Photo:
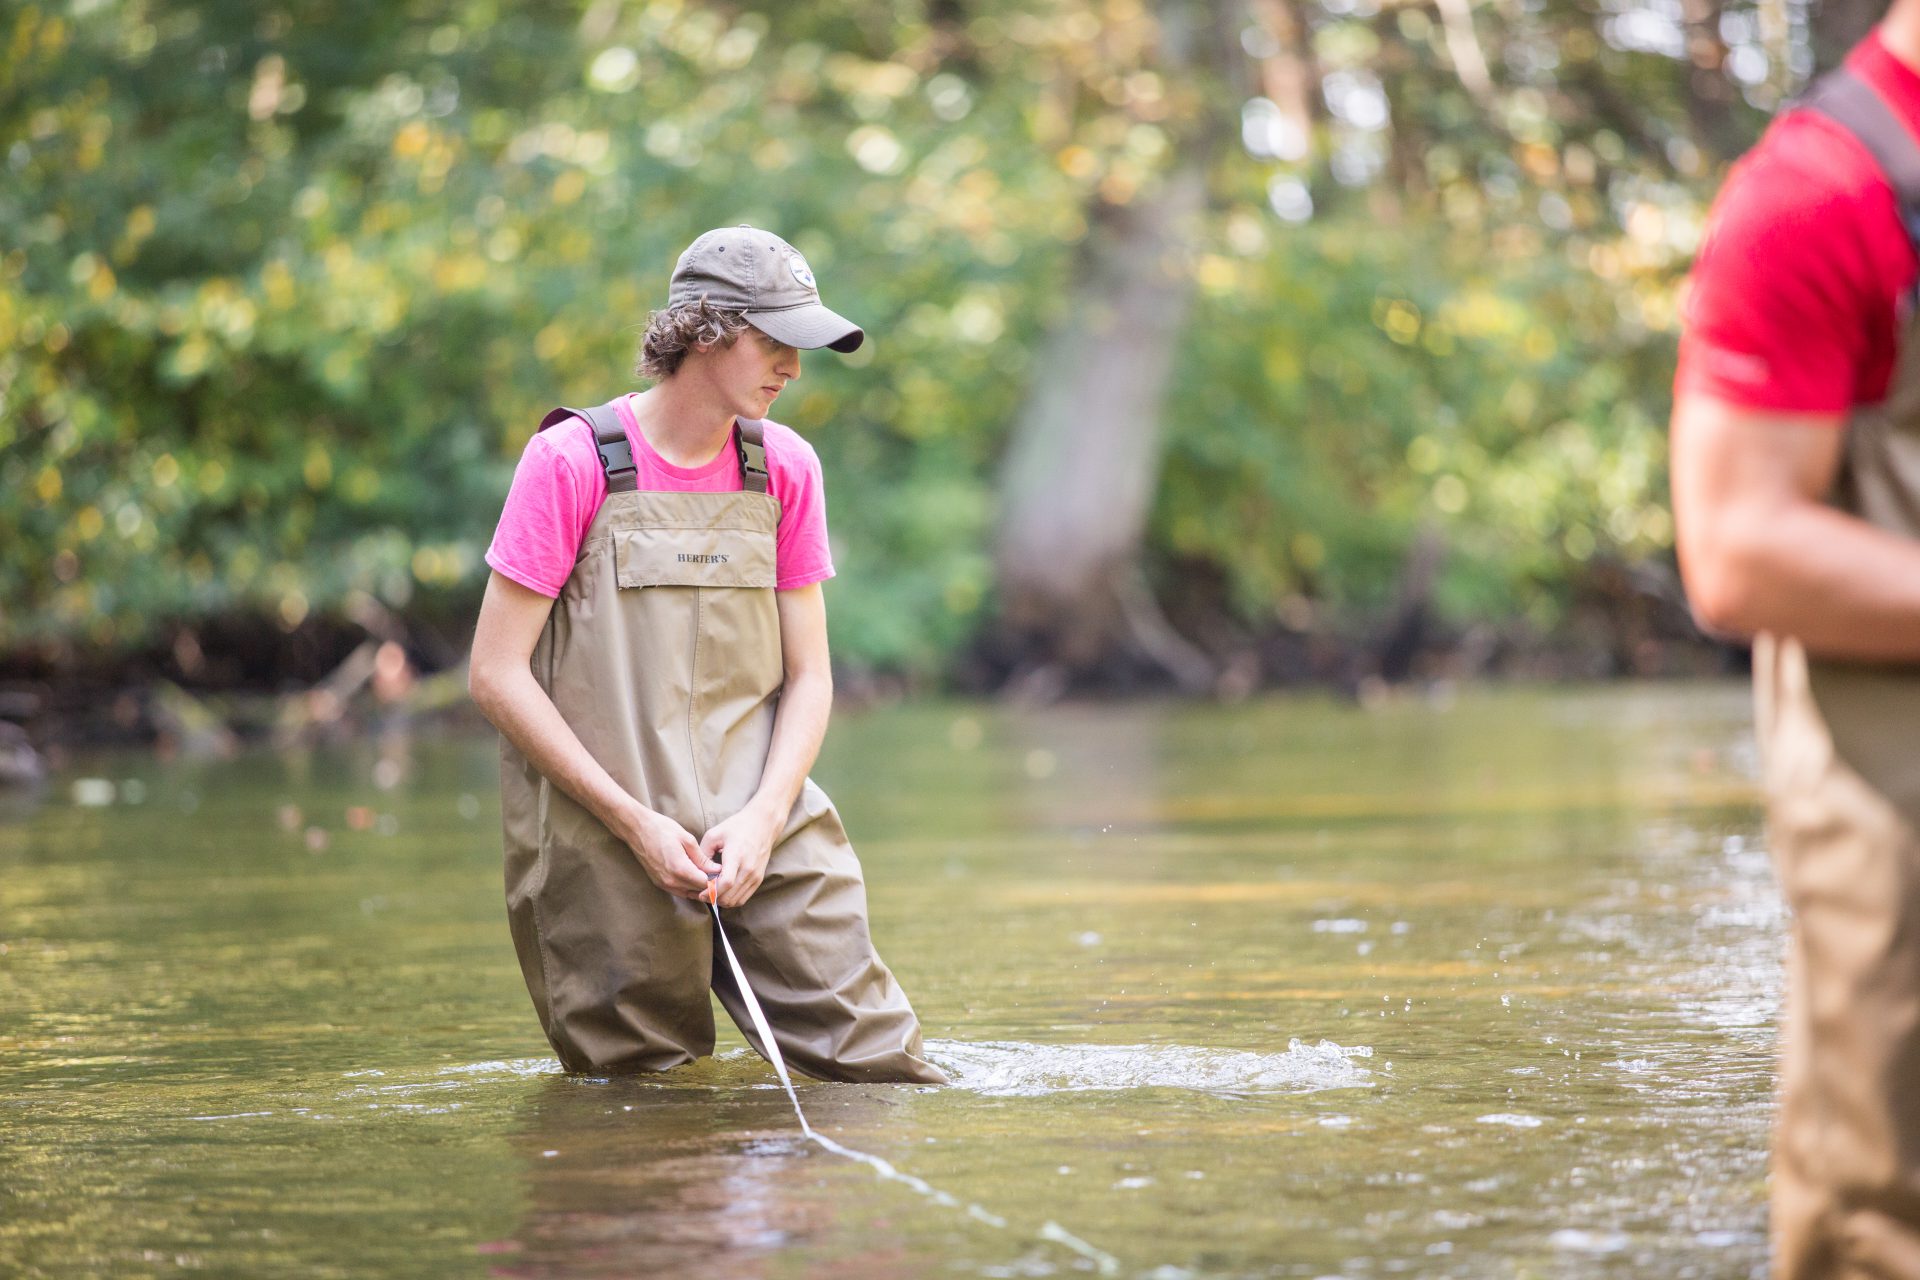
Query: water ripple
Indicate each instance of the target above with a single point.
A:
(1009, 1068)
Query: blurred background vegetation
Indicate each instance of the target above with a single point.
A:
(1216, 343)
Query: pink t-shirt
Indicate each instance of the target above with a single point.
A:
(559, 485)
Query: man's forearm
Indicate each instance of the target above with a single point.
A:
(799, 727)
(1761, 550)
(523, 713)
(1842, 587)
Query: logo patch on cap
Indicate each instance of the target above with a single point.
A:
(801, 271)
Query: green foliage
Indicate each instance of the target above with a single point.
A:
(1401, 384)
(1473, 332)
(285, 288)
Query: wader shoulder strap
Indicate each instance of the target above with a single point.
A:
(609, 439)
(1851, 102)
(753, 456)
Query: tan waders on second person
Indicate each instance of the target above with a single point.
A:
(1841, 755)
(663, 655)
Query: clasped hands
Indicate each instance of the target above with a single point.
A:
(732, 856)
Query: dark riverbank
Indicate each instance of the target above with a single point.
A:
(208, 690)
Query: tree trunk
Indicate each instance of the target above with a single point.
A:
(1078, 480)
(1077, 484)
(1712, 100)
(1290, 75)
(1838, 25)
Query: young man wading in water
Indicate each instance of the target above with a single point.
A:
(653, 650)
(1796, 487)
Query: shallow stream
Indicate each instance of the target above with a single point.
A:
(1476, 987)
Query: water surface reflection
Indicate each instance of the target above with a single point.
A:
(1292, 989)
(624, 1178)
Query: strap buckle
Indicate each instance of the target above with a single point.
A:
(753, 464)
(616, 456)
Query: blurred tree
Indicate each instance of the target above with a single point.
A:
(1456, 274)
(1220, 308)
(1083, 464)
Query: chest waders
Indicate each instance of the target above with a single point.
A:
(1840, 750)
(663, 655)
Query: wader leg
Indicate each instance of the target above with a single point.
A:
(625, 967)
(1846, 1178)
(802, 940)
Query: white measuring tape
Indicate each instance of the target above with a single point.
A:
(1052, 1231)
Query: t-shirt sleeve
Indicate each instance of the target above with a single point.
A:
(1792, 304)
(544, 520)
(801, 554)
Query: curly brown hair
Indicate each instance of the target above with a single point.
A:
(674, 331)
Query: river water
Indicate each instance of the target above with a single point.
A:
(1480, 986)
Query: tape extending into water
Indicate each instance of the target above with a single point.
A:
(1050, 1231)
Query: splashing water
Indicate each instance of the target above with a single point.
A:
(1008, 1068)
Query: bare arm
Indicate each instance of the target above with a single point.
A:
(745, 840)
(800, 723)
(502, 684)
(1761, 551)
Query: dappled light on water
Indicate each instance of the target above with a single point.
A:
(1287, 989)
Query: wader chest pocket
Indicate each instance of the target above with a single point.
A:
(693, 558)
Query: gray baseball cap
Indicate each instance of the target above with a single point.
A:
(745, 269)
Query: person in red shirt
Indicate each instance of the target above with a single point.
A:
(1798, 295)
(1796, 492)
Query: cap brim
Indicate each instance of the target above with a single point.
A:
(809, 327)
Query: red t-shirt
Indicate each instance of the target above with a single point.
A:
(1799, 295)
